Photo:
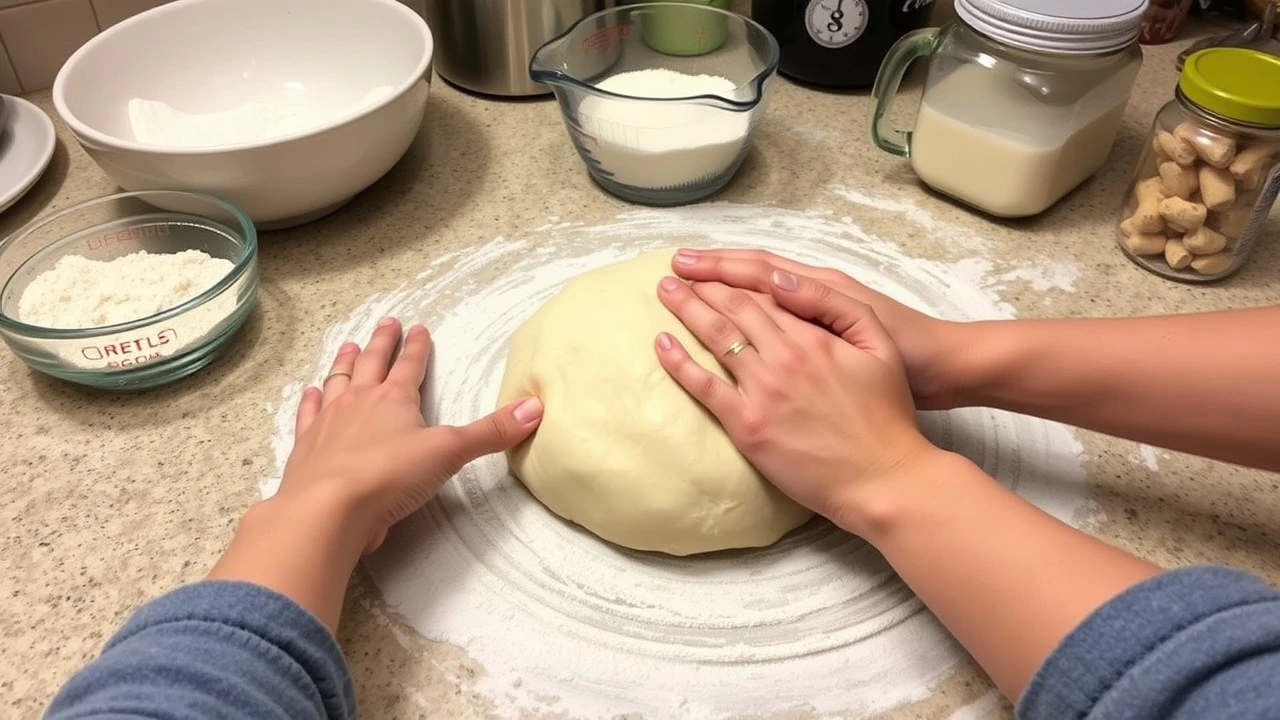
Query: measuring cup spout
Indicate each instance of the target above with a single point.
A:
(550, 62)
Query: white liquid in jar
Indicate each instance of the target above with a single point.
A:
(986, 141)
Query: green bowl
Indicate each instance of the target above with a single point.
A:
(687, 31)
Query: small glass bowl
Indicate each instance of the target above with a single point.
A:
(149, 351)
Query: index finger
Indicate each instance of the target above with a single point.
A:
(745, 269)
(410, 368)
(786, 321)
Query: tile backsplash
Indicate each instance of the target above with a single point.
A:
(37, 36)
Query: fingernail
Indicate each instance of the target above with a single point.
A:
(665, 342)
(784, 280)
(684, 257)
(528, 410)
(386, 321)
(669, 283)
(417, 330)
(348, 347)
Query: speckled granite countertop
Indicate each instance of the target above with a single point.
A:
(109, 500)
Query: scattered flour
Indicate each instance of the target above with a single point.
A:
(1147, 456)
(818, 623)
(1041, 278)
(986, 707)
(83, 293)
(649, 144)
(157, 123)
(916, 216)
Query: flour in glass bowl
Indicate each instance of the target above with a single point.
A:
(648, 144)
(82, 293)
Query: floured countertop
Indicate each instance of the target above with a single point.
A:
(109, 500)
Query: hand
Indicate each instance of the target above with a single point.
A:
(922, 340)
(362, 435)
(362, 460)
(828, 418)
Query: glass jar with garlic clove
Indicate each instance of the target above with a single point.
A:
(1207, 177)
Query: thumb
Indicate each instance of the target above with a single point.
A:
(501, 430)
(853, 320)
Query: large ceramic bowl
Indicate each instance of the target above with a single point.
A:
(330, 92)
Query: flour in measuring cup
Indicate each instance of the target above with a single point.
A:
(157, 123)
(648, 144)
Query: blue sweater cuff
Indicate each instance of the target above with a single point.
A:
(253, 608)
(1146, 646)
(214, 649)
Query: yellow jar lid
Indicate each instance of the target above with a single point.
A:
(1236, 83)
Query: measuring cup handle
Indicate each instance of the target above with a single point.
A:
(916, 44)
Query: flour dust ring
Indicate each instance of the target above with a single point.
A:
(818, 620)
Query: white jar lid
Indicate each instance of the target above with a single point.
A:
(1055, 26)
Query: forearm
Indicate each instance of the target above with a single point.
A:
(304, 548)
(1207, 384)
(1008, 580)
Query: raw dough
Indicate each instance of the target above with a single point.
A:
(622, 450)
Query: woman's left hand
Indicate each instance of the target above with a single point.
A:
(362, 434)
(363, 460)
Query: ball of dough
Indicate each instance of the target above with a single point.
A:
(622, 449)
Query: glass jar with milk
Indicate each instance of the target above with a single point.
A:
(1021, 102)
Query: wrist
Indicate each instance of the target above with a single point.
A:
(918, 486)
(322, 513)
(303, 544)
(980, 354)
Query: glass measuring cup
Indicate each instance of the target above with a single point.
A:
(660, 148)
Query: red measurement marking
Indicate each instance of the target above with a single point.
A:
(125, 235)
(137, 360)
(604, 39)
(130, 352)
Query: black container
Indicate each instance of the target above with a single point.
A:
(838, 43)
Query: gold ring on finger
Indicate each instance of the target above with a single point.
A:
(737, 347)
(332, 375)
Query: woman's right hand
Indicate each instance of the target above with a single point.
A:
(821, 408)
(825, 415)
(925, 342)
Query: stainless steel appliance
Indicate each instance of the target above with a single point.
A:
(485, 45)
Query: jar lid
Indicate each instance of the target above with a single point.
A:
(1236, 83)
(1053, 26)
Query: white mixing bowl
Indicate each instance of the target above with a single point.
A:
(214, 56)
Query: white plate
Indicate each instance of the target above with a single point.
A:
(26, 146)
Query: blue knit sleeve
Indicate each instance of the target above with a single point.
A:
(1191, 644)
(214, 650)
